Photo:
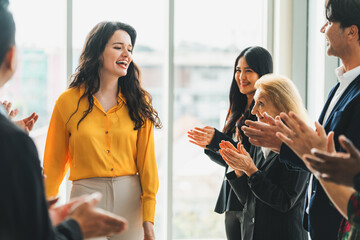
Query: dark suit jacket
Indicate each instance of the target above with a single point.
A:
(273, 199)
(23, 209)
(323, 220)
(227, 200)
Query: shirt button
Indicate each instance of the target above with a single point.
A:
(104, 114)
(108, 151)
(106, 132)
(111, 169)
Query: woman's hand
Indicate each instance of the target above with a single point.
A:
(201, 136)
(227, 144)
(238, 159)
(149, 233)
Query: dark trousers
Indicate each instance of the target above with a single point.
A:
(233, 225)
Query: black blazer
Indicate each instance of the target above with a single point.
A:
(273, 199)
(227, 200)
(323, 220)
(23, 209)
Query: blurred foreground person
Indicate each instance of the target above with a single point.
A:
(24, 212)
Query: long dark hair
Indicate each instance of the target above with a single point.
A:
(138, 100)
(260, 61)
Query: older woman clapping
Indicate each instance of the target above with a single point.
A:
(272, 194)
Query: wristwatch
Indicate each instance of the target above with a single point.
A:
(357, 182)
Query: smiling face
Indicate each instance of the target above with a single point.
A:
(335, 38)
(263, 104)
(245, 77)
(117, 55)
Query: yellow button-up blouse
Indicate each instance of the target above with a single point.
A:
(104, 145)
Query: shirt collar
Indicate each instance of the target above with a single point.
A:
(121, 98)
(348, 76)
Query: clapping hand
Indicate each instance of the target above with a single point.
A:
(27, 123)
(95, 222)
(237, 158)
(263, 134)
(201, 136)
(7, 105)
(338, 167)
(299, 136)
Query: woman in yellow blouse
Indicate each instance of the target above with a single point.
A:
(102, 129)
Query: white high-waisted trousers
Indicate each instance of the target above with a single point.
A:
(121, 195)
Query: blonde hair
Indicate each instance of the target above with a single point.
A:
(283, 94)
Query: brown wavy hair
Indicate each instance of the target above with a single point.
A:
(138, 100)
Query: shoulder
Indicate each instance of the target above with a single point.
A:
(354, 87)
(68, 101)
(8, 129)
(14, 142)
(69, 95)
(353, 98)
(350, 100)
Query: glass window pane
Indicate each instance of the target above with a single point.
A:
(208, 37)
(41, 73)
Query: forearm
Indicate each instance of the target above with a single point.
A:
(218, 137)
(150, 184)
(239, 186)
(68, 230)
(282, 195)
(148, 210)
(215, 157)
(290, 158)
(248, 171)
(339, 195)
(147, 168)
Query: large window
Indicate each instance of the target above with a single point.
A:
(41, 72)
(208, 35)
